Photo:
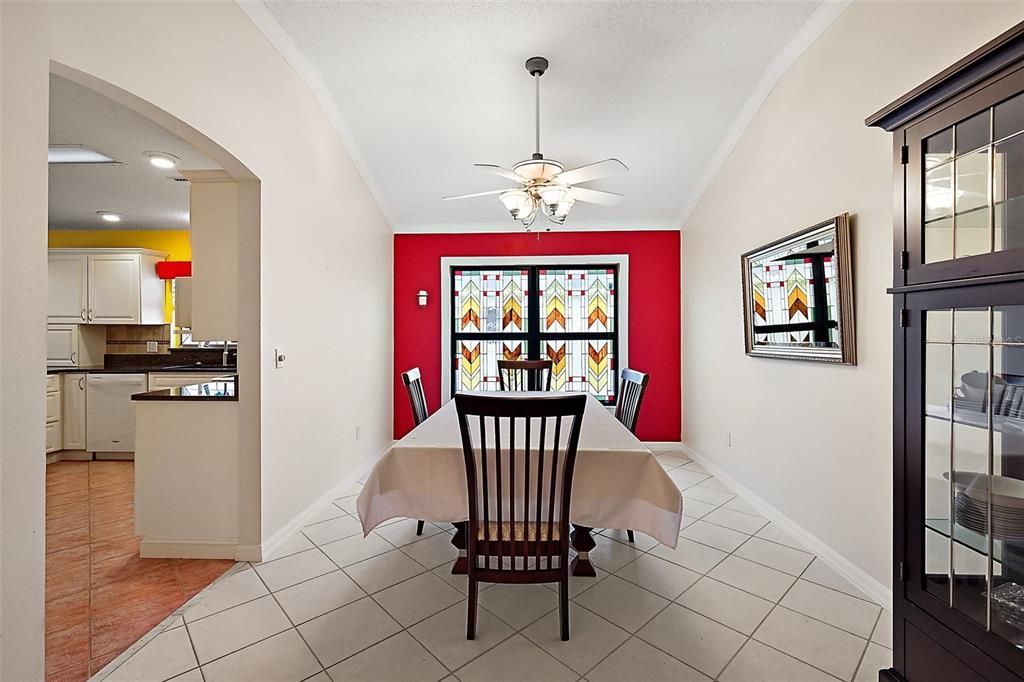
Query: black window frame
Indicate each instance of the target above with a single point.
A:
(533, 337)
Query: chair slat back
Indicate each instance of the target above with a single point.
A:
(520, 454)
(417, 399)
(524, 375)
(631, 394)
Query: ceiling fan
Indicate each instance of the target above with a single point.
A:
(544, 184)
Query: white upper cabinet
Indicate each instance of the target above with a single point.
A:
(114, 289)
(105, 286)
(68, 288)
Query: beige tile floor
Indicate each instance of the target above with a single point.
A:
(737, 600)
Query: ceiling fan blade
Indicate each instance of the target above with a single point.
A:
(593, 171)
(503, 172)
(595, 196)
(477, 194)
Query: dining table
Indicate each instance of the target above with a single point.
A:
(618, 483)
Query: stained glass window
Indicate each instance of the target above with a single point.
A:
(566, 314)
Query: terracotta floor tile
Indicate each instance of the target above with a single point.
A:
(116, 529)
(55, 500)
(91, 541)
(67, 611)
(62, 524)
(119, 631)
(77, 673)
(65, 487)
(62, 584)
(67, 560)
(129, 567)
(72, 538)
(115, 547)
(79, 509)
(117, 499)
(99, 493)
(136, 591)
(98, 517)
(97, 663)
(66, 648)
(195, 574)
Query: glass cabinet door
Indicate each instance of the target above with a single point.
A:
(965, 190)
(970, 541)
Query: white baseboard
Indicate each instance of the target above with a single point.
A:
(662, 444)
(188, 548)
(303, 517)
(874, 589)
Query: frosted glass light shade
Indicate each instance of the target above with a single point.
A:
(518, 202)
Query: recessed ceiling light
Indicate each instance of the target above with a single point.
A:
(162, 159)
(76, 154)
(109, 216)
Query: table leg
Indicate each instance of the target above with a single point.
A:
(461, 566)
(582, 542)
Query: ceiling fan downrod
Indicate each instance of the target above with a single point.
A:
(536, 66)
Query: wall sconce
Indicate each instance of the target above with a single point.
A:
(421, 298)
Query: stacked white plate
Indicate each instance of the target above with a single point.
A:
(971, 504)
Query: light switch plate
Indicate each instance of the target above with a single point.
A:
(152, 347)
(278, 358)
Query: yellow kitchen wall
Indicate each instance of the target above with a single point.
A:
(176, 243)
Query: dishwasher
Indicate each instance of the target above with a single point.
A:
(110, 414)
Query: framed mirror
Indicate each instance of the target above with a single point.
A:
(798, 296)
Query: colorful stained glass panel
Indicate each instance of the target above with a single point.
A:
(476, 363)
(577, 300)
(490, 301)
(581, 365)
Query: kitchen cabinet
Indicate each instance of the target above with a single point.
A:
(73, 397)
(68, 293)
(73, 345)
(183, 302)
(105, 286)
(54, 436)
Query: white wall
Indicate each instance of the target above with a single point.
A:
(318, 274)
(814, 441)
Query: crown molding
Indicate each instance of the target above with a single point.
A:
(812, 29)
(511, 228)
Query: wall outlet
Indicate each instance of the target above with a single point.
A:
(152, 347)
(357, 433)
(728, 439)
(278, 358)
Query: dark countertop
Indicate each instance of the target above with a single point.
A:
(226, 390)
(209, 369)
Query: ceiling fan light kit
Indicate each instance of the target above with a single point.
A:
(545, 185)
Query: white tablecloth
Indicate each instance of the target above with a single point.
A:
(618, 483)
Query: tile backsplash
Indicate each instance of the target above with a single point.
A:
(132, 338)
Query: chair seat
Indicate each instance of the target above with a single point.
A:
(520, 531)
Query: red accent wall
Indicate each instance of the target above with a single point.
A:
(654, 309)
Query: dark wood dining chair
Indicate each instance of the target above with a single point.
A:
(418, 402)
(519, 535)
(524, 375)
(632, 386)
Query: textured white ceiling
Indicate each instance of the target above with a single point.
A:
(142, 193)
(426, 89)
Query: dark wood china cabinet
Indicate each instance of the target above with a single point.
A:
(958, 319)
